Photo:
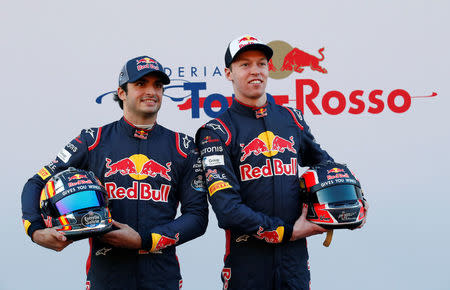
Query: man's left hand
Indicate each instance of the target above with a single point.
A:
(123, 237)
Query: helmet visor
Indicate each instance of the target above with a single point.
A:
(338, 193)
(80, 200)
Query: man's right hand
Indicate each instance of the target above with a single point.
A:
(304, 228)
(51, 239)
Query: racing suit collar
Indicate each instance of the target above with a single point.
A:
(134, 131)
(255, 112)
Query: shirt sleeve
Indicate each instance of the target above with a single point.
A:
(191, 193)
(74, 154)
(224, 192)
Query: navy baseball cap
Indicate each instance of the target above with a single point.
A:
(140, 66)
(244, 43)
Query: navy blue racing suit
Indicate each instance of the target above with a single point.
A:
(250, 159)
(146, 173)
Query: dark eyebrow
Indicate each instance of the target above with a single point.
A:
(141, 80)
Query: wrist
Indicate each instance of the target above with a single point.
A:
(34, 226)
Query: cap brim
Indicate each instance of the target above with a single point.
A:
(164, 78)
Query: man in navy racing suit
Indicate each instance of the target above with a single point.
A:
(147, 171)
(250, 156)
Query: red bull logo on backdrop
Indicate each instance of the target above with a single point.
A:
(191, 92)
(289, 60)
(138, 167)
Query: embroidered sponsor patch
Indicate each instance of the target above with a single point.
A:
(160, 242)
(198, 184)
(103, 251)
(218, 185)
(273, 236)
(211, 149)
(213, 160)
(64, 155)
(43, 173)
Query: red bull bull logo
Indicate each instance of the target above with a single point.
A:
(268, 144)
(153, 168)
(139, 167)
(335, 170)
(287, 59)
(337, 173)
(297, 60)
(124, 166)
(272, 237)
(246, 40)
(280, 144)
(146, 62)
(256, 147)
(77, 176)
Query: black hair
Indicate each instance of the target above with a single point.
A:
(124, 87)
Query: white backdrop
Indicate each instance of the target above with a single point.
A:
(58, 56)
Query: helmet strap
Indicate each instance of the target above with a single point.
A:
(328, 239)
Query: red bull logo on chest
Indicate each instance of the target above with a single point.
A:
(269, 145)
(140, 191)
(138, 167)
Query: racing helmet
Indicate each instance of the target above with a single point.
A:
(75, 202)
(334, 196)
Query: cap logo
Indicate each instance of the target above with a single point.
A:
(246, 40)
(146, 62)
